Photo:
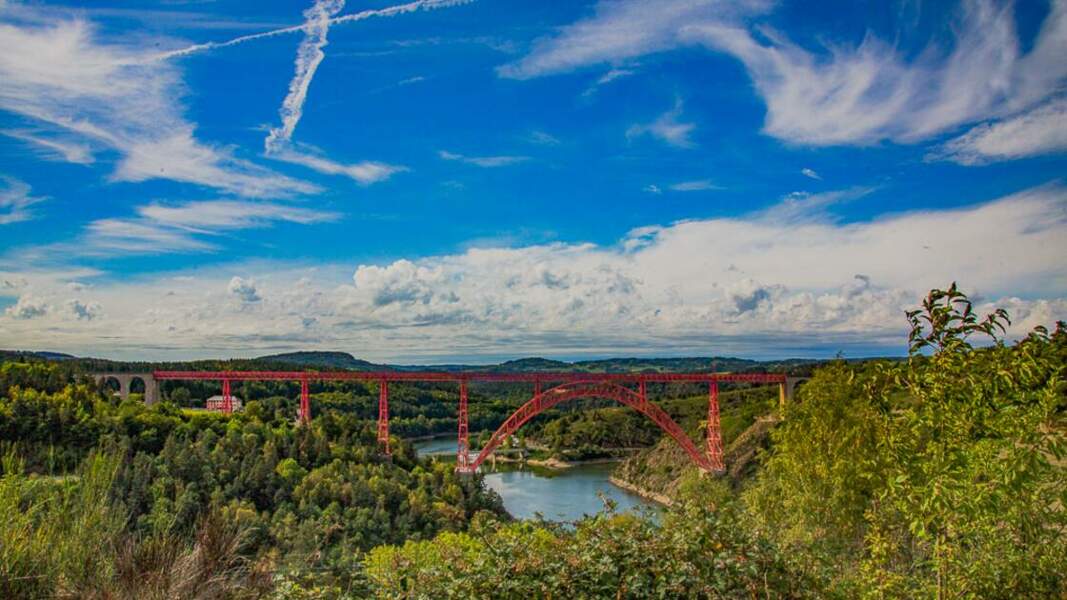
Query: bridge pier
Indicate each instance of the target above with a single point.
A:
(463, 456)
(305, 402)
(787, 390)
(383, 416)
(714, 430)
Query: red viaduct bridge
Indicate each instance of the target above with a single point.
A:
(549, 390)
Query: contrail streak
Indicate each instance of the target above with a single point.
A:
(417, 5)
(308, 58)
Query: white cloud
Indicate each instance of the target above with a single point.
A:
(365, 172)
(131, 236)
(229, 214)
(699, 185)
(486, 162)
(842, 94)
(179, 157)
(110, 94)
(82, 311)
(27, 308)
(15, 201)
(620, 31)
(797, 207)
(1040, 131)
(667, 128)
(778, 282)
(543, 139)
(614, 74)
(181, 228)
(52, 149)
(244, 290)
(806, 172)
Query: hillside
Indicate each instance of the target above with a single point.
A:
(324, 360)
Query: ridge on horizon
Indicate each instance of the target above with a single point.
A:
(346, 361)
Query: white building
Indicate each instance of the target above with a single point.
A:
(216, 404)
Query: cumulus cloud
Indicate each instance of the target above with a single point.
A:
(838, 94)
(15, 201)
(759, 284)
(487, 162)
(1040, 131)
(668, 128)
(27, 308)
(83, 311)
(243, 289)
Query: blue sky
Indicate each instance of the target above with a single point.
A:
(450, 180)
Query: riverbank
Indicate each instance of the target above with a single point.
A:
(555, 463)
(640, 491)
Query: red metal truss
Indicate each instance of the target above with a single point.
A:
(568, 386)
(430, 376)
(383, 416)
(713, 433)
(463, 455)
(305, 402)
(227, 398)
(592, 389)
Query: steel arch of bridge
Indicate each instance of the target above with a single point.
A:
(638, 400)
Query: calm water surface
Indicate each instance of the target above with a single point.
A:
(564, 495)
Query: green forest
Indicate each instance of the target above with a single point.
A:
(936, 476)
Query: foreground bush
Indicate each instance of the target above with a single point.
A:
(696, 552)
(941, 477)
(66, 537)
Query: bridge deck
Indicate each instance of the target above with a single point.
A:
(431, 376)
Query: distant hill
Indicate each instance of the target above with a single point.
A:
(324, 360)
(327, 360)
(44, 355)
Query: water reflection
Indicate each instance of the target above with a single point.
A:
(558, 495)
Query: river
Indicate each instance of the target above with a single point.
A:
(558, 495)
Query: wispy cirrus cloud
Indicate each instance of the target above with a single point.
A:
(15, 201)
(668, 127)
(61, 73)
(486, 162)
(188, 227)
(364, 172)
(698, 185)
(54, 149)
(839, 94)
(1034, 133)
(622, 30)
